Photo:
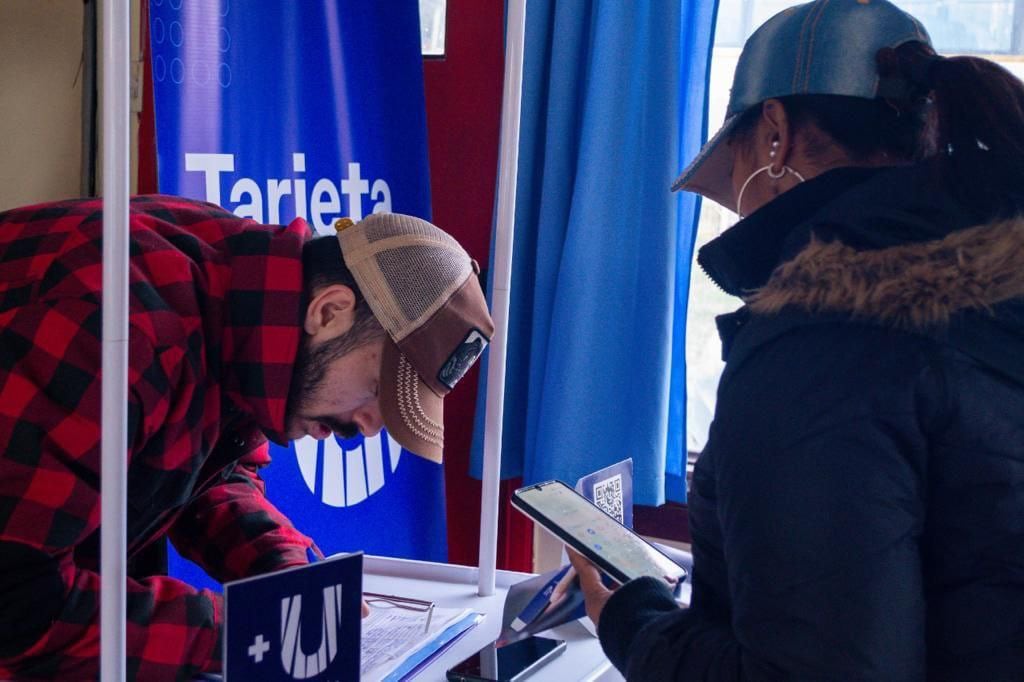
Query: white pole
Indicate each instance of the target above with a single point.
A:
(114, 431)
(503, 233)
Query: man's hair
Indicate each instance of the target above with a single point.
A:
(322, 266)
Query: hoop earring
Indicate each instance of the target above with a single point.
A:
(771, 174)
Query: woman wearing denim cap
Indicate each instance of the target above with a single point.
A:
(858, 512)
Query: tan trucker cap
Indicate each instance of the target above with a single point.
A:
(422, 286)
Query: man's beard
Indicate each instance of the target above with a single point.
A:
(312, 362)
(311, 365)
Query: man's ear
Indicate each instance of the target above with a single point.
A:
(330, 312)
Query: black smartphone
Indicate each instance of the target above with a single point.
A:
(582, 525)
(509, 663)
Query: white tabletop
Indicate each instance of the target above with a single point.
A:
(450, 585)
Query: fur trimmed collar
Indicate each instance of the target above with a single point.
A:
(909, 286)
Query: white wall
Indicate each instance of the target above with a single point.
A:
(40, 100)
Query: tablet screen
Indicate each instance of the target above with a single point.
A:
(576, 517)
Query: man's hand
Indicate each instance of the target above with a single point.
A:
(594, 591)
(366, 609)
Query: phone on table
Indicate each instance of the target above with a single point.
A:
(509, 663)
(585, 527)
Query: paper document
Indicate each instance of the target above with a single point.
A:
(392, 636)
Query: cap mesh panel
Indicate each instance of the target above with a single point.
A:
(409, 277)
(415, 295)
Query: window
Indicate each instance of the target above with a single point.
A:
(991, 28)
(432, 25)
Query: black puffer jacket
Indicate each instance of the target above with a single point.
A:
(858, 512)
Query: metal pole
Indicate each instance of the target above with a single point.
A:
(504, 231)
(114, 432)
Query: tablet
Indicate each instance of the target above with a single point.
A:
(615, 549)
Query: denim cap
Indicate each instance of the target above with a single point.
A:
(826, 47)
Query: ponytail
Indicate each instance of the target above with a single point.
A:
(978, 116)
(966, 109)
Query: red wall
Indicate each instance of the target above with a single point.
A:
(463, 93)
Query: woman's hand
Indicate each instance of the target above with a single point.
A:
(594, 591)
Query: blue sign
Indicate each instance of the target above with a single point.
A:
(296, 624)
(276, 109)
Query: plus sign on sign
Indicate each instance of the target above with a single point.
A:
(298, 624)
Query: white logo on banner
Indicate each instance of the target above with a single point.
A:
(295, 661)
(348, 476)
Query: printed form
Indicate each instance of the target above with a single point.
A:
(391, 636)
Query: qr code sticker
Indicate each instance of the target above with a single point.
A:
(608, 496)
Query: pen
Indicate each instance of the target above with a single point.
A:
(421, 605)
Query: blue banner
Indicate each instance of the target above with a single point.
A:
(275, 109)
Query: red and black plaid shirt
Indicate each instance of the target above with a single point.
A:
(214, 329)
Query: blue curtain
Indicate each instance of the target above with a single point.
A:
(613, 104)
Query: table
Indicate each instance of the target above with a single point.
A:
(451, 585)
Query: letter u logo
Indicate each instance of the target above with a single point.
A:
(296, 662)
(346, 477)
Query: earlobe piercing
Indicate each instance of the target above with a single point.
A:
(772, 173)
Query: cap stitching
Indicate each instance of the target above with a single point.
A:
(412, 411)
(409, 399)
(421, 434)
(810, 45)
(799, 51)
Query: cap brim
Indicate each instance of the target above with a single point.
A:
(413, 413)
(709, 174)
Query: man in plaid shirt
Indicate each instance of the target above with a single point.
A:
(239, 332)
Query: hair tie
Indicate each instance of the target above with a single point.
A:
(904, 79)
(921, 71)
